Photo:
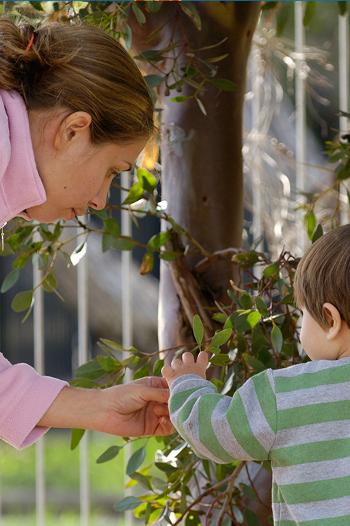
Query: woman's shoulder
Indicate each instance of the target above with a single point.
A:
(5, 144)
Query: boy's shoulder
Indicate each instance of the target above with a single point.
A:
(311, 374)
(312, 366)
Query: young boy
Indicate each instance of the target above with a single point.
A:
(298, 417)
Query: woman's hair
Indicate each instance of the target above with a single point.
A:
(323, 275)
(81, 68)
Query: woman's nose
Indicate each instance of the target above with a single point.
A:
(99, 201)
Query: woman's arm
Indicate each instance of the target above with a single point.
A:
(134, 409)
(31, 403)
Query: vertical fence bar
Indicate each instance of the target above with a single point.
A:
(344, 86)
(39, 364)
(127, 325)
(256, 157)
(83, 351)
(300, 110)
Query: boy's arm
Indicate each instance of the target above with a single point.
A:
(220, 427)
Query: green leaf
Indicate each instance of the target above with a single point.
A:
(159, 240)
(260, 305)
(282, 18)
(128, 503)
(343, 171)
(122, 243)
(151, 55)
(181, 98)
(76, 436)
(343, 7)
(271, 271)
(253, 318)
(153, 7)
(109, 363)
(317, 233)
(169, 255)
(109, 454)
(111, 226)
(266, 7)
(37, 5)
(192, 12)
(147, 179)
(251, 517)
(153, 80)
(22, 301)
(10, 280)
(276, 338)
(310, 223)
(135, 193)
(220, 338)
(136, 460)
(140, 17)
(91, 370)
(50, 283)
(165, 467)
(142, 479)
(240, 322)
(147, 264)
(253, 362)
(246, 259)
(246, 301)
(224, 84)
(112, 344)
(198, 329)
(309, 13)
(220, 359)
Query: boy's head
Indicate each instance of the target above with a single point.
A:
(322, 291)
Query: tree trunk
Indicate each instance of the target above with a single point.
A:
(202, 171)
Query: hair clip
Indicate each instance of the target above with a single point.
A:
(30, 43)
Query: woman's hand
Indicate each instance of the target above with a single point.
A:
(138, 408)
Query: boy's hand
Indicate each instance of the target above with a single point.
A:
(186, 365)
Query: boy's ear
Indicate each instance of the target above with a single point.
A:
(334, 320)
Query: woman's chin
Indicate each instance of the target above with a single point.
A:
(48, 217)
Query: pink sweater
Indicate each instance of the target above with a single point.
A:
(24, 395)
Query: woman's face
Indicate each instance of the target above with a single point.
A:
(76, 174)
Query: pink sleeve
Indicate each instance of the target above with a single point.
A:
(25, 397)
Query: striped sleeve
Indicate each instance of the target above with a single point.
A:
(223, 428)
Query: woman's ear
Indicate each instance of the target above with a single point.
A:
(334, 321)
(74, 126)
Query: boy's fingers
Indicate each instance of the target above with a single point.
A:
(187, 358)
(176, 363)
(203, 358)
(167, 371)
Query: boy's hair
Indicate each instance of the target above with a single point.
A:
(323, 275)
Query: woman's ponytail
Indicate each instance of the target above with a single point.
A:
(14, 54)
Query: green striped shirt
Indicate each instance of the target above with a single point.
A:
(298, 418)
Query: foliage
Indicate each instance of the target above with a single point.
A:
(257, 328)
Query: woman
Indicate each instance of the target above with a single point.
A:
(74, 111)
